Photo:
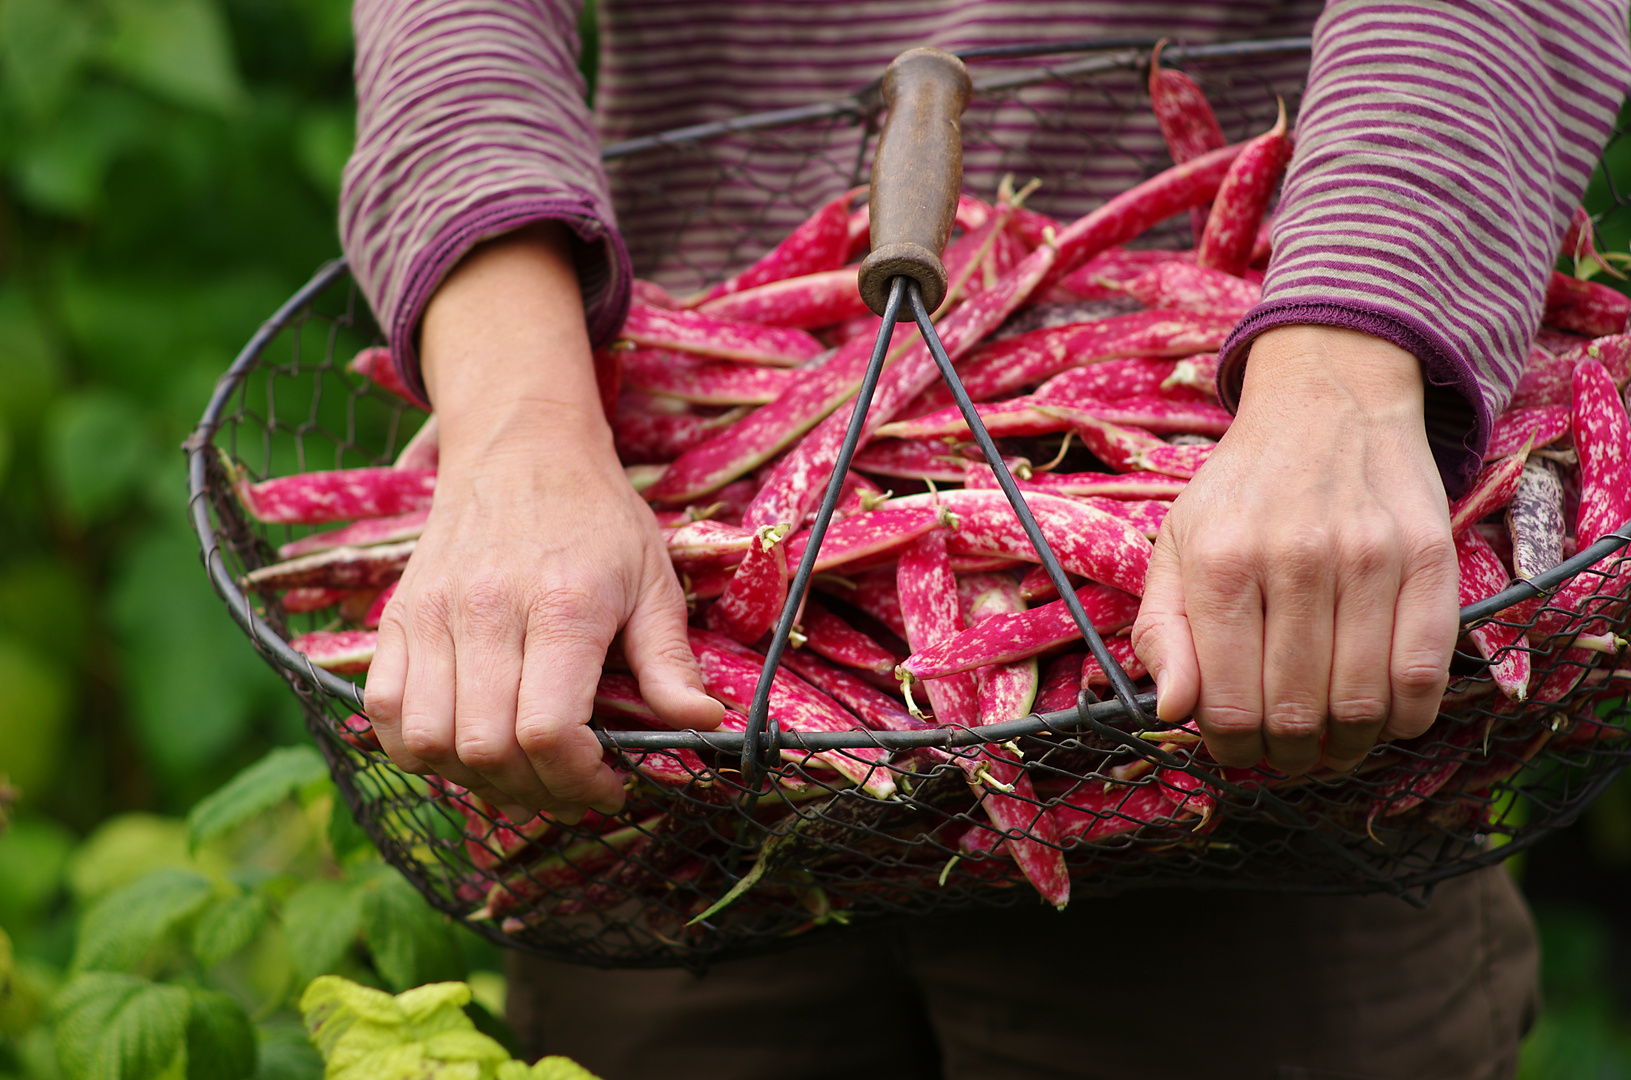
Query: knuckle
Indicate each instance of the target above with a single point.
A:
(1229, 722)
(1293, 721)
(431, 614)
(383, 708)
(567, 611)
(483, 751)
(1368, 548)
(1359, 710)
(1222, 558)
(425, 741)
(1419, 677)
(541, 739)
(1303, 551)
(488, 599)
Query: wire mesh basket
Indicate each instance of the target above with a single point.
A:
(722, 853)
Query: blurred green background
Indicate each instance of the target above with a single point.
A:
(168, 175)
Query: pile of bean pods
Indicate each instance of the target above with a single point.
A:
(1094, 365)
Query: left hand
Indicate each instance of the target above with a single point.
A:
(1301, 599)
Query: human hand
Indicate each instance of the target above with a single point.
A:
(1301, 598)
(536, 552)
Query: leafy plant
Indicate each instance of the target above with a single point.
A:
(190, 942)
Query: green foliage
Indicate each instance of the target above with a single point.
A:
(367, 1035)
(187, 945)
(169, 171)
(257, 789)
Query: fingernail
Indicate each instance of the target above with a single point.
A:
(1160, 693)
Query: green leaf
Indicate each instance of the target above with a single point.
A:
(409, 940)
(30, 364)
(62, 167)
(220, 1039)
(560, 1068)
(127, 923)
(286, 1053)
(45, 602)
(33, 861)
(323, 142)
(345, 837)
(321, 921)
(227, 926)
(120, 1027)
(257, 789)
(123, 849)
(178, 49)
(183, 657)
(97, 450)
(34, 700)
(43, 44)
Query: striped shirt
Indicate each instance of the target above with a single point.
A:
(1441, 147)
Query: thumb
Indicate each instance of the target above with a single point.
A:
(659, 652)
(1161, 635)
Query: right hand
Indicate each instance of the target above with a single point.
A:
(536, 554)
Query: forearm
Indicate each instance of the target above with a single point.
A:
(470, 124)
(1441, 147)
(506, 355)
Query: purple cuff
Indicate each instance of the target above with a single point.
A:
(605, 274)
(1458, 418)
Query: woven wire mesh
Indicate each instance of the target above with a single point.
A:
(803, 850)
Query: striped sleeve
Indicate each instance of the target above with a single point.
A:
(1441, 149)
(470, 123)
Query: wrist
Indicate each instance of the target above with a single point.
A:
(1329, 369)
(503, 342)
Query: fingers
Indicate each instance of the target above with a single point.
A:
(1161, 635)
(566, 639)
(1424, 631)
(382, 694)
(1297, 640)
(1361, 692)
(658, 649)
(1224, 602)
(490, 636)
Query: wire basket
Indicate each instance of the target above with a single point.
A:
(745, 852)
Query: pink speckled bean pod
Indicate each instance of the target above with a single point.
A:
(861, 536)
(1005, 638)
(1006, 366)
(1186, 286)
(801, 303)
(340, 568)
(929, 602)
(825, 634)
(344, 652)
(1537, 426)
(821, 242)
(730, 676)
(1112, 380)
(1241, 200)
(1585, 307)
(702, 382)
(1188, 125)
(748, 608)
(1497, 482)
(319, 498)
(1482, 576)
(726, 339)
(1094, 484)
(381, 530)
(1085, 541)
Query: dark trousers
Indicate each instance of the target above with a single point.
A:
(1149, 985)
